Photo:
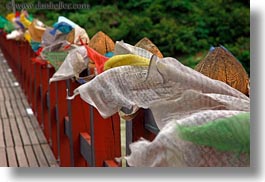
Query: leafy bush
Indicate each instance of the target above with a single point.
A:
(179, 28)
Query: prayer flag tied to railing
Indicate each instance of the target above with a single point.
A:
(56, 58)
(176, 95)
(73, 64)
(56, 53)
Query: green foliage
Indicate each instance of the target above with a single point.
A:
(180, 28)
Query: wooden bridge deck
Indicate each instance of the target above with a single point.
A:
(22, 142)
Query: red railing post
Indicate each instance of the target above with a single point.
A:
(79, 118)
(61, 112)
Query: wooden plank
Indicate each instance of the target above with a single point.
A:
(1, 85)
(25, 103)
(9, 109)
(9, 77)
(10, 89)
(3, 113)
(1, 94)
(11, 156)
(1, 80)
(21, 157)
(19, 89)
(20, 134)
(14, 94)
(23, 132)
(6, 95)
(49, 155)
(22, 108)
(15, 108)
(5, 72)
(40, 136)
(2, 141)
(21, 93)
(38, 130)
(34, 122)
(16, 91)
(40, 157)
(3, 159)
(31, 131)
(7, 133)
(32, 160)
(15, 132)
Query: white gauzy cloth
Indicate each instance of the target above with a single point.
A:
(124, 48)
(49, 39)
(169, 150)
(57, 46)
(66, 20)
(74, 63)
(15, 34)
(80, 35)
(175, 94)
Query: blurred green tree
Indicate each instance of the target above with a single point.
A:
(180, 28)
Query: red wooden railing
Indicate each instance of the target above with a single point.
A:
(77, 134)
